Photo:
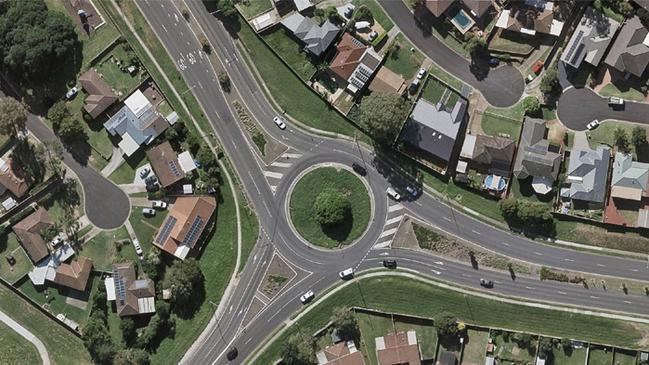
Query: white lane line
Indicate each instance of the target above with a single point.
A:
(562, 292)
(538, 253)
(634, 270)
(594, 297)
(529, 288)
(395, 207)
(281, 164)
(388, 232)
(569, 260)
(601, 265)
(393, 220)
(506, 244)
(274, 175)
(447, 219)
(627, 302)
(476, 232)
(291, 155)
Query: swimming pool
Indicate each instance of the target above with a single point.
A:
(462, 21)
(495, 182)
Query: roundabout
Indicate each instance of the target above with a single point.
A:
(329, 206)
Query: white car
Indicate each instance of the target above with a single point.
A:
(372, 36)
(421, 73)
(159, 204)
(138, 248)
(306, 297)
(615, 101)
(57, 241)
(144, 172)
(280, 122)
(346, 274)
(393, 193)
(148, 212)
(592, 125)
(71, 93)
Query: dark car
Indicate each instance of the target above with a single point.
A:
(390, 264)
(152, 187)
(359, 169)
(150, 179)
(413, 191)
(232, 354)
(487, 283)
(494, 61)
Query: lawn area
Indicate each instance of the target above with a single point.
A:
(512, 42)
(9, 245)
(15, 349)
(523, 189)
(108, 66)
(596, 236)
(286, 88)
(291, 51)
(125, 173)
(625, 92)
(572, 357)
(63, 347)
(371, 327)
(104, 252)
(377, 13)
(509, 352)
(604, 134)
(624, 357)
(145, 227)
(446, 77)
(249, 230)
(426, 333)
(303, 199)
(475, 347)
(497, 125)
(433, 90)
(429, 301)
(402, 60)
(598, 356)
(250, 8)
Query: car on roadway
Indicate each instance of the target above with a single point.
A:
(232, 354)
(614, 101)
(393, 193)
(359, 169)
(148, 212)
(158, 204)
(280, 122)
(390, 264)
(71, 93)
(413, 191)
(346, 274)
(307, 297)
(144, 172)
(592, 125)
(486, 283)
(138, 248)
(421, 73)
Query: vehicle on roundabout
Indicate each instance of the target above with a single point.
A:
(393, 193)
(413, 191)
(280, 122)
(346, 274)
(390, 264)
(232, 354)
(359, 169)
(307, 297)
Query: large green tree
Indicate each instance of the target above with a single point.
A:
(639, 136)
(13, 117)
(549, 81)
(185, 280)
(331, 207)
(382, 114)
(344, 321)
(298, 350)
(71, 130)
(446, 326)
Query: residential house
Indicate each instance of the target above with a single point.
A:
(316, 38)
(630, 184)
(434, 129)
(168, 166)
(398, 348)
(303, 5)
(29, 232)
(137, 123)
(74, 274)
(477, 8)
(587, 176)
(530, 17)
(342, 353)
(447, 358)
(537, 157)
(100, 95)
(354, 63)
(12, 179)
(590, 39)
(488, 155)
(184, 225)
(630, 50)
(45, 270)
(132, 296)
(388, 81)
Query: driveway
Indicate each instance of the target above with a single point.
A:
(502, 86)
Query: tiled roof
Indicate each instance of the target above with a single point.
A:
(29, 232)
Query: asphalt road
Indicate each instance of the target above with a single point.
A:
(502, 86)
(318, 269)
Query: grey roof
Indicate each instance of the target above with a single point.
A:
(591, 39)
(536, 157)
(143, 129)
(642, 3)
(316, 38)
(369, 62)
(628, 173)
(587, 174)
(434, 128)
(630, 52)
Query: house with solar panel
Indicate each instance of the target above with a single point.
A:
(132, 296)
(183, 227)
(169, 166)
(354, 64)
(590, 39)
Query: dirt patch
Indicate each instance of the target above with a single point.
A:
(81, 304)
(405, 236)
(644, 330)
(92, 19)
(278, 275)
(556, 131)
(255, 307)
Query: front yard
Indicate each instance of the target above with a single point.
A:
(291, 52)
(146, 227)
(104, 250)
(604, 134)
(622, 90)
(498, 125)
(377, 13)
(403, 58)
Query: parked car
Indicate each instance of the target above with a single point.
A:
(280, 122)
(151, 179)
(349, 11)
(393, 194)
(346, 274)
(421, 73)
(372, 36)
(537, 67)
(148, 212)
(144, 172)
(138, 248)
(307, 297)
(158, 204)
(152, 187)
(232, 354)
(413, 191)
(614, 101)
(10, 260)
(592, 125)
(529, 78)
(487, 283)
(71, 93)
(390, 264)
(494, 61)
(359, 169)
(414, 85)
(57, 241)
(211, 190)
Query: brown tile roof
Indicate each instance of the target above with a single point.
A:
(75, 274)
(134, 290)
(496, 152)
(164, 161)
(387, 81)
(184, 224)
(100, 96)
(529, 17)
(478, 6)
(348, 56)
(13, 179)
(398, 350)
(339, 354)
(438, 7)
(28, 231)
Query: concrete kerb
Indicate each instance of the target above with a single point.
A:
(233, 278)
(297, 179)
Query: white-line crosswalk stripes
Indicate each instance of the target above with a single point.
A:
(275, 171)
(391, 226)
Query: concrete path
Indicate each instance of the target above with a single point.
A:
(580, 141)
(116, 160)
(140, 202)
(42, 351)
(133, 188)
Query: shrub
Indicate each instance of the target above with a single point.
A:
(331, 207)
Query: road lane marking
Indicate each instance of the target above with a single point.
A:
(274, 175)
(627, 302)
(594, 297)
(447, 219)
(281, 164)
(562, 292)
(538, 253)
(393, 220)
(601, 265)
(388, 232)
(393, 208)
(569, 260)
(529, 288)
(476, 232)
(506, 244)
(291, 155)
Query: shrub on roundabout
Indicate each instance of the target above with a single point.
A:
(331, 207)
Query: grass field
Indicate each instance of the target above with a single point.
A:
(125, 173)
(523, 189)
(249, 230)
(430, 301)
(62, 346)
(15, 349)
(625, 92)
(572, 357)
(598, 356)
(446, 77)
(475, 347)
(291, 51)
(104, 252)
(497, 125)
(377, 13)
(402, 60)
(303, 198)
(604, 134)
(433, 90)
(9, 245)
(597, 236)
(508, 350)
(250, 8)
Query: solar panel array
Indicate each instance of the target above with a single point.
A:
(170, 222)
(120, 288)
(194, 231)
(174, 168)
(574, 45)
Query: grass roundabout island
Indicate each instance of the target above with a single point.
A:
(330, 207)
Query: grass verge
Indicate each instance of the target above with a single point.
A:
(15, 349)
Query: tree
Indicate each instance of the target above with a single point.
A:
(206, 157)
(51, 152)
(183, 279)
(446, 326)
(545, 348)
(71, 130)
(298, 350)
(224, 81)
(57, 113)
(227, 8)
(13, 116)
(131, 357)
(534, 216)
(531, 105)
(331, 207)
(621, 139)
(549, 81)
(523, 340)
(363, 13)
(383, 114)
(345, 322)
(97, 339)
(639, 136)
(127, 326)
(475, 44)
(332, 14)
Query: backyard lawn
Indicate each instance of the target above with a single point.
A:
(575, 356)
(475, 347)
(623, 357)
(523, 189)
(402, 60)
(372, 326)
(622, 91)
(426, 333)
(104, 252)
(9, 245)
(498, 125)
(250, 8)
(291, 51)
(377, 13)
(433, 90)
(15, 349)
(598, 356)
(113, 68)
(508, 351)
(512, 42)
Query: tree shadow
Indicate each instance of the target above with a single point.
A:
(26, 163)
(196, 301)
(339, 232)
